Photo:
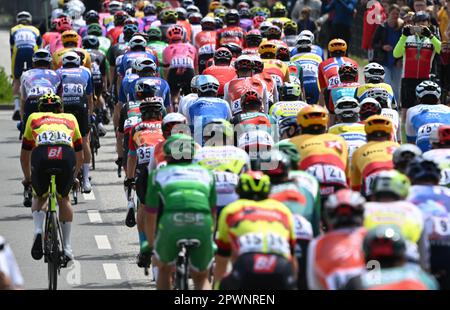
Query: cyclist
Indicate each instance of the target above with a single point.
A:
(70, 40)
(385, 244)
(266, 78)
(369, 107)
(24, 40)
(440, 152)
(193, 218)
(53, 36)
(137, 50)
(252, 40)
(194, 21)
(51, 139)
(309, 62)
(76, 92)
(221, 69)
(257, 263)
(91, 17)
(403, 156)
(97, 30)
(256, 143)
(336, 257)
(276, 68)
(232, 33)
(36, 82)
(322, 154)
(117, 50)
(119, 21)
(208, 34)
(295, 70)
(10, 275)
(156, 43)
(429, 113)
(179, 61)
(290, 31)
(347, 125)
(245, 18)
(316, 49)
(149, 17)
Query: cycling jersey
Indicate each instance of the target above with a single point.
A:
(237, 87)
(147, 21)
(129, 58)
(223, 74)
(420, 121)
(76, 86)
(395, 118)
(334, 258)
(207, 37)
(315, 49)
(162, 89)
(115, 51)
(441, 157)
(309, 62)
(114, 34)
(374, 90)
(180, 56)
(125, 90)
(277, 69)
(50, 36)
(246, 24)
(271, 86)
(247, 226)
(232, 34)
(24, 41)
(254, 120)
(282, 109)
(339, 91)
(250, 51)
(328, 71)
(418, 54)
(52, 129)
(353, 133)
(158, 47)
(143, 138)
(422, 193)
(99, 68)
(58, 56)
(37, 82)
(226, 162)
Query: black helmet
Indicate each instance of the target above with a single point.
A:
(91, 42)
(149, 9)
(234, 48)
(219, 22)
(420, 169)
(289, 126)
(151, 106)
(277, 166)
(91, 17)
(232, 18)
(384, 243)
(130, 9)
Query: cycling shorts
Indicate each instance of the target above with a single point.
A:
(46, 157)
(22, 56)
(440, 264)
(408, 92)
(82, 116)
(312, 91)
(180, 78)
(260, 272)
(175, 226)
(141, 181)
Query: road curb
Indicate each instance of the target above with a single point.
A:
(6, 107)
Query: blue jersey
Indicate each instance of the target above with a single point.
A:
(129, 58)
(76, 85)
(421, 194)
(315, 49)
(162, 89)
(38, 82)
(343, 90)
(125, 87)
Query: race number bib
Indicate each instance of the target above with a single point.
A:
(310, 70)
(54, 137)
(144, 154)
(206, 49)
(38, 91)
(303, 229)
(425, 130)
(333, 81)
(131, 121)
(328, 174)
(260, 243)
(441, 226)
(73, 90)
(278, 80)
(24, 38)
(225, 182)
(236, 106)
(184, 62)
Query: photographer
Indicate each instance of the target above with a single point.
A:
(417, 46)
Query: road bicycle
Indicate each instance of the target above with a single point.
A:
(182, 264)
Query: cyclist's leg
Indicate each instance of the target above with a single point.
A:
(174, 80)
(19, 58)
(141, 186)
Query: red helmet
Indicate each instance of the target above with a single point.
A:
(120, 17)
(250, 97)
(444, 134)
(175, 33)
(257, 20)
(63, 23)
(344, 207)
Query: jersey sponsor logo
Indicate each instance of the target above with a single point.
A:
(54, 152)
(264, 263)
(334, 144)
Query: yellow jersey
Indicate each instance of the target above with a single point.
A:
(247, 226)
(46, 128)
(58, 55)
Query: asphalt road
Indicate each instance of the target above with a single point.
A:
(104, 247)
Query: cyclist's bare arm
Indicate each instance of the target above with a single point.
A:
(91, 104)
(131, 166)
(220, 268)
(25, 162)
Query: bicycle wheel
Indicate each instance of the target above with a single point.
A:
(53, 251)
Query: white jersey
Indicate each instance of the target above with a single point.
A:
(394, 117)
(441, 157)
(185, 102)
(422, 119)
(353, 133)
(8, 264)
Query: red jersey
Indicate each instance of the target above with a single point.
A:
(205, 37)
(233, 34)
(143, 139)
(328, 71)
(114, 34)
(223, 74)
(237, 87)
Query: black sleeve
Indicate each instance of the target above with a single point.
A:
(123, 117)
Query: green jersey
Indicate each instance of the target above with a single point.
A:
(159, 47)
(105, 44)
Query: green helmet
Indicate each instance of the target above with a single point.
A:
(94, 30)
(384, 242)
(179, 147)
(391, 182)
(290, 150)
(154, 34)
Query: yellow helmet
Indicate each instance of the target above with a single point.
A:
(267, 49)
(214, 5)
(69, 36)
(337, 45)
(313, 114)
(378, 123)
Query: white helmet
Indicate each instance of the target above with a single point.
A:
(144, 64)
(71, 58)
(137, 41)
(347, 106)
(42, 54)
(397, 157)
(309, 34)
(194, 82)
(207, 83)
(24, 16)
(114, 6)
(374, 72)
(303, 41)
(174, 118)
(428, 88)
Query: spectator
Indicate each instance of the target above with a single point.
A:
(384, 41)
(10, 276)
(373, 17)
(315, 6)
(344, 11)
(305, 22)
(442, 18)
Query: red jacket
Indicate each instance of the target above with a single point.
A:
(373, 17)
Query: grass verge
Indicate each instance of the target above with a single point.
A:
(6, 93)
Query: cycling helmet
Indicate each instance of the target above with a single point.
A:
(129, 30)
(273, 33)
(42, 55)
(24, 17)
(257, 22)
(253, 38)
(145, 88)
(287, 127)
(243, 4)
(429, 89)
(374, 73)
(179, 147)
(220, 13)
(283, 53)
(250, 99)
(207, 83)
(384, 243)
(187, 3)
(290, 28)
(192, 9)
(91, 42)
(151, 106)
(378, 123)
(391, 182)
(227, 3)
(119, 18)
(149, 9)
(154, 34)
(279, 10)
(264, 26)
(312, 115)
(129, 9)
(195, 18)
(168, 17)
(404, 154)
(267, 50)
(208, 23)
(309, 34)
(291, 150)
(175, 33)
(347, 107)
(290, 91)
(337, 45)
(344, 208)
(213, 6)
(219, 22)
(244, 13)
(381, 95)
(69, 36)
(258, 65)
(91, 17)
(243, 63)
(278, 165)
(138, 41)
(63, 24)
(444, 134)
(144, 64)
(304, 42)
(369, 107)
(218, 125)
(50, 103)
(222, 54)
(253, 185)
(131, 21)
(95, 30)
(172, 119)
(114, 7)
(71, 58)
(348, 71)
(420, 169)
(232, 18)
(234, 48)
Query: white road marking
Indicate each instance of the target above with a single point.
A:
(102, 242)
(89, 196)
(94, 216)
(111, 271)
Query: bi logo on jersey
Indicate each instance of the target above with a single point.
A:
(335, 145)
